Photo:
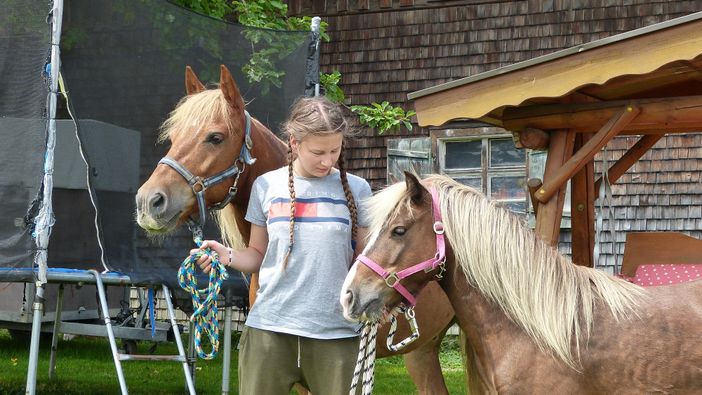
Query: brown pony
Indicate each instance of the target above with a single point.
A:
(207, 133)
(535, 322)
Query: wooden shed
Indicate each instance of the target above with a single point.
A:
(646, 83)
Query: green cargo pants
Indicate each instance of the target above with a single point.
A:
(270, 363)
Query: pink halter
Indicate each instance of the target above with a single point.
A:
(393, 279)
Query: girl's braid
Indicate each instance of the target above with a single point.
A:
(291, 188)
(350, 201)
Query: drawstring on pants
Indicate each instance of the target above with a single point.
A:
(298, 352)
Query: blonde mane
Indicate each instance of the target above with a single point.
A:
(195, 111)
(541, 291)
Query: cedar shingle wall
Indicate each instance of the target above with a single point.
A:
(385, 53)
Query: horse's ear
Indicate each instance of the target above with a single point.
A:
(415, 188)
(230, 90)
(192, 83)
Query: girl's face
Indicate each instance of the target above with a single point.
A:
(316, 155)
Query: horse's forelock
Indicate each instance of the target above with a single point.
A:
(194, 112)
(385, 205)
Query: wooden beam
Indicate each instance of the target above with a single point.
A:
(533, 138)
(534, 184)
(582, 209)
(548, 222)
(587, 152)
(629, 158)
(656, 114)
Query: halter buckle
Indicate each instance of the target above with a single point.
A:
(392, 279)
(442, 269)
(198, 183)
(439, 228)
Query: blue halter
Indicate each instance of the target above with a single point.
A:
(200, 185)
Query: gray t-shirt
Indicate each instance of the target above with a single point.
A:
(303, 298)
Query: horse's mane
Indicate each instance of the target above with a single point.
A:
(541, 291)
(203, 108)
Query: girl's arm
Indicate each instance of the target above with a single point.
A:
(247, 260)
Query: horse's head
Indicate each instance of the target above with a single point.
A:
(406, 250)
(207, 131)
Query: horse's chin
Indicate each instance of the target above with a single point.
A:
(157, 228)
(374, 311)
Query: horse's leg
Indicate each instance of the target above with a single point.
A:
(253, 288)
(434, 316)
(424, 368)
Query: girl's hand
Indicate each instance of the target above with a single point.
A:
(205, 261)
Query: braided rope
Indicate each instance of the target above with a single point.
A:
(204, 300)
(414, 331)
(365, 364)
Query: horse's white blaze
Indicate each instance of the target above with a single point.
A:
(350, 276)
(343, 299)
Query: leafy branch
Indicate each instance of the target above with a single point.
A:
(383, 117)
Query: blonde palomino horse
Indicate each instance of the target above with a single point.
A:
(207, 134)
(534, 321)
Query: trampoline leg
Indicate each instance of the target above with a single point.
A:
(55, 334)
(226, 355)
(110, 333)
(37, 311)
(192, 359)
(179, 342)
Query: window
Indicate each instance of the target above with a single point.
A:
(408, 154)
(490, 163)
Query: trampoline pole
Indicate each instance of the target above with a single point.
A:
(179, 342)
(226, 354)
(37, 311)
(55, 335)
(44, 220)
(110, 333)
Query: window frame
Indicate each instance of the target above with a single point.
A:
(486, 135)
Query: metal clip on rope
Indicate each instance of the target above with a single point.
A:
(414, 328)
(204, 300)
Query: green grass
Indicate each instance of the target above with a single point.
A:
(84, 366)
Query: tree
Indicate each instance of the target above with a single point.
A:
(272, 14)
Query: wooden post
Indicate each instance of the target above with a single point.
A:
(548, 221)
(582, 209)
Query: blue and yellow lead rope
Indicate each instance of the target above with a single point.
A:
(204, 300)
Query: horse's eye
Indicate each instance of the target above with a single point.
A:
(399, 231)
(214, 138)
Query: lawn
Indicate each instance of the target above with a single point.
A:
(84, 366)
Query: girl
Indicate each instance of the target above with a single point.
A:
(305, 220)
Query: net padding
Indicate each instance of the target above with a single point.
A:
(25, 47)
(123, 66)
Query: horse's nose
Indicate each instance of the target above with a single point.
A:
(156, 204)
(349, 299)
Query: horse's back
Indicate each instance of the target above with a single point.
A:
(659, 349)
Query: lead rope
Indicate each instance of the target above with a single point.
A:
(204, 300)
(414, 329)
(366, 360)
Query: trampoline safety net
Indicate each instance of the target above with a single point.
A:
(123, 65)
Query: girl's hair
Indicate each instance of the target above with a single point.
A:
(318, 116)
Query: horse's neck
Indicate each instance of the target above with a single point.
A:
(492, 335)
(269, 152)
